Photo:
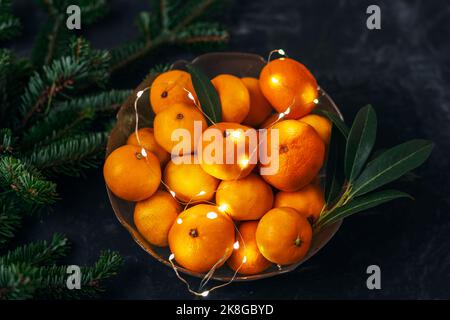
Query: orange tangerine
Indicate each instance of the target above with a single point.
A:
(202, 237)
(248, 198)
(169, 88)
(289, 86)
(260, 108)
(229, 150)
(283, 236)
(247, 259)
(154, 217)
(131, 175)
(308, 201)
(300, 155)
(171, 120)
(234, 97)
(320, 124)
(148, 141)
(188, 180)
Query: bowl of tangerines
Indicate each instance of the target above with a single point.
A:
(231, 167)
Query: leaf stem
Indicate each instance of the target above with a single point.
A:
(343, 200)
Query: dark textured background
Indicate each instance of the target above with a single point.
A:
(403, 70)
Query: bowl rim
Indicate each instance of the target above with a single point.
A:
(137, 237)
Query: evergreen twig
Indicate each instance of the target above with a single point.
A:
(53, 39)
(68, 155)
(54, 278)
(39, 253)
(170, 23)
(10, 219)
(52, 128)
(26, 182)
(9, 25)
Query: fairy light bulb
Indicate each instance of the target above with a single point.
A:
(201, 193)
(205, 293)
(143, 152)
(211, 215)
(284, 114)
(244, 260)
(179, 221)
(190, 96)
(172, 193)
(279, 51)
(244, 163)
(236, 134)
(139, 93)
(223, 207)
(316, 101)
(236, 245)
(171, 257)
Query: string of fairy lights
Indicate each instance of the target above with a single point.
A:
(222, 207)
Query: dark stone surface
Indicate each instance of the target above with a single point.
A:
(403, 70)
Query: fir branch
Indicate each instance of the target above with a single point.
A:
(18, 281)
(148, 24)
(53, 284)
(92, 10)
(203, 33)
(106, 101)
(159, 68)
(14, 74)
(41, 89)
(127, 53)
(54, 37)
(72, 116)
(173, 25)
(26, 183)
(70, 155)
(191, 11)
(6, 141)
(64, 76)
(38, 253)
(51, 34)
(97, 61)
(10, 219)
(9, 25)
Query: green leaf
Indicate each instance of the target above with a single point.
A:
(392, 164)
(362, 203)
(209, 99)
(333, 117)
(334, 178)
(360, 141)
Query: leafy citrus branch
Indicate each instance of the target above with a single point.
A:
(349, 153)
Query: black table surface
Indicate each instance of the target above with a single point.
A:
(402, 70)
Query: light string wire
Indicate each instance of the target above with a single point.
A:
(211, 272)
(222, 208)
